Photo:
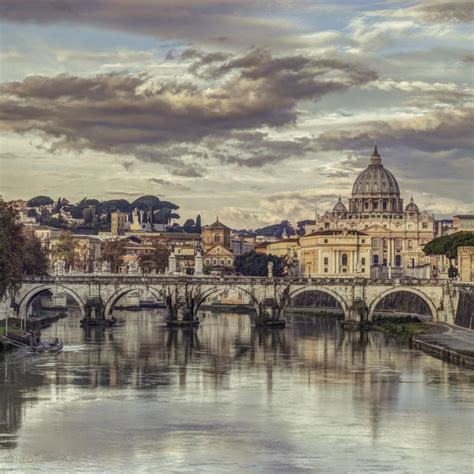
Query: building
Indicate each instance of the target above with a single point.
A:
(466, 263)
(214, 234)
(118, 223)
(218, 254)
(462, 223)
(241, 245)
(335, 253)
(46, 234)
(375, 208)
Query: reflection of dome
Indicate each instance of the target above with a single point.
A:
(375, 180)
(376, 190)
(412, 207)
(339, 207)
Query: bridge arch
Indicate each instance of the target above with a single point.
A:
(213, 291)
(26, 300)
(415, 291)
(326, 290)
(112, 301)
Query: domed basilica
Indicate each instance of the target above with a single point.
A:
(375, 209)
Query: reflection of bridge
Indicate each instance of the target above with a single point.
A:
(358, 297)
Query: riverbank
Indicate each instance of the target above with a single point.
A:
(449, 343)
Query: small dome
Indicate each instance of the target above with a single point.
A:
(375, 180)
(339, 207)
(412, 207)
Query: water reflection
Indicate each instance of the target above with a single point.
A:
(283, 399)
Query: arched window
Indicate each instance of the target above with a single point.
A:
(344, 259)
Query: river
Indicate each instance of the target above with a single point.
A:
(226, 397)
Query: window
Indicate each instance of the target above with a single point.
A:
(410, 244)
(208, 261)
(325, 270)
(375, 243)
(425, 225)
(325, 241)
(363, 241)
(398, 260)
(214, 261)
(384, 206)
(344, 259)
(326, 260)
(229, 261)
(376, 259)
(217, 238)
(344, 270)
(363, 270)
(222, 261)
(362, 261)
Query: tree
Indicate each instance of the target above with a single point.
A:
(156, 260)
(189, 225)
(256, 264)
(20, 252)
(11, 250)
(447, 245)
(198, 228)
(88, 215)
(38, 201)
(112, 253)
(35, 260)
(65, 249)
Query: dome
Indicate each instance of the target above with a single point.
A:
(412, 207)
(375, 180)
(339, 207)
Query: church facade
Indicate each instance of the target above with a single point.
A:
(397, 233)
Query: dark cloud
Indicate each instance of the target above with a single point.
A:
(440, 11)
(241, 21)
(101, 87)
(435, 131)
(165, 121)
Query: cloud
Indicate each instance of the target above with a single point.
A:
(240, 21)
(169, 184)
(172, 122)
(436, 130)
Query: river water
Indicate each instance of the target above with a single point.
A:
(226, 397)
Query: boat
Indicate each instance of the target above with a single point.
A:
(54, 345)
(32, 342)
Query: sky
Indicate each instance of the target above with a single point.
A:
(255, 111)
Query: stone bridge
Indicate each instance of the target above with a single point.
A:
(358, 297)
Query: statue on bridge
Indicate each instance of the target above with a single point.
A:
(59, 267)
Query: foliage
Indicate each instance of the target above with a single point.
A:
(256, 264)
(112, 253)
(206, 269)
(276, 230)
(447, 245)
(35, 260)
(156, 260)
(198, 227)
(189, 225)
(38, 201)
(19, 253)
(65, 249)
(88, 215)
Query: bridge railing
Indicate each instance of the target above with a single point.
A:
(127, 278)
